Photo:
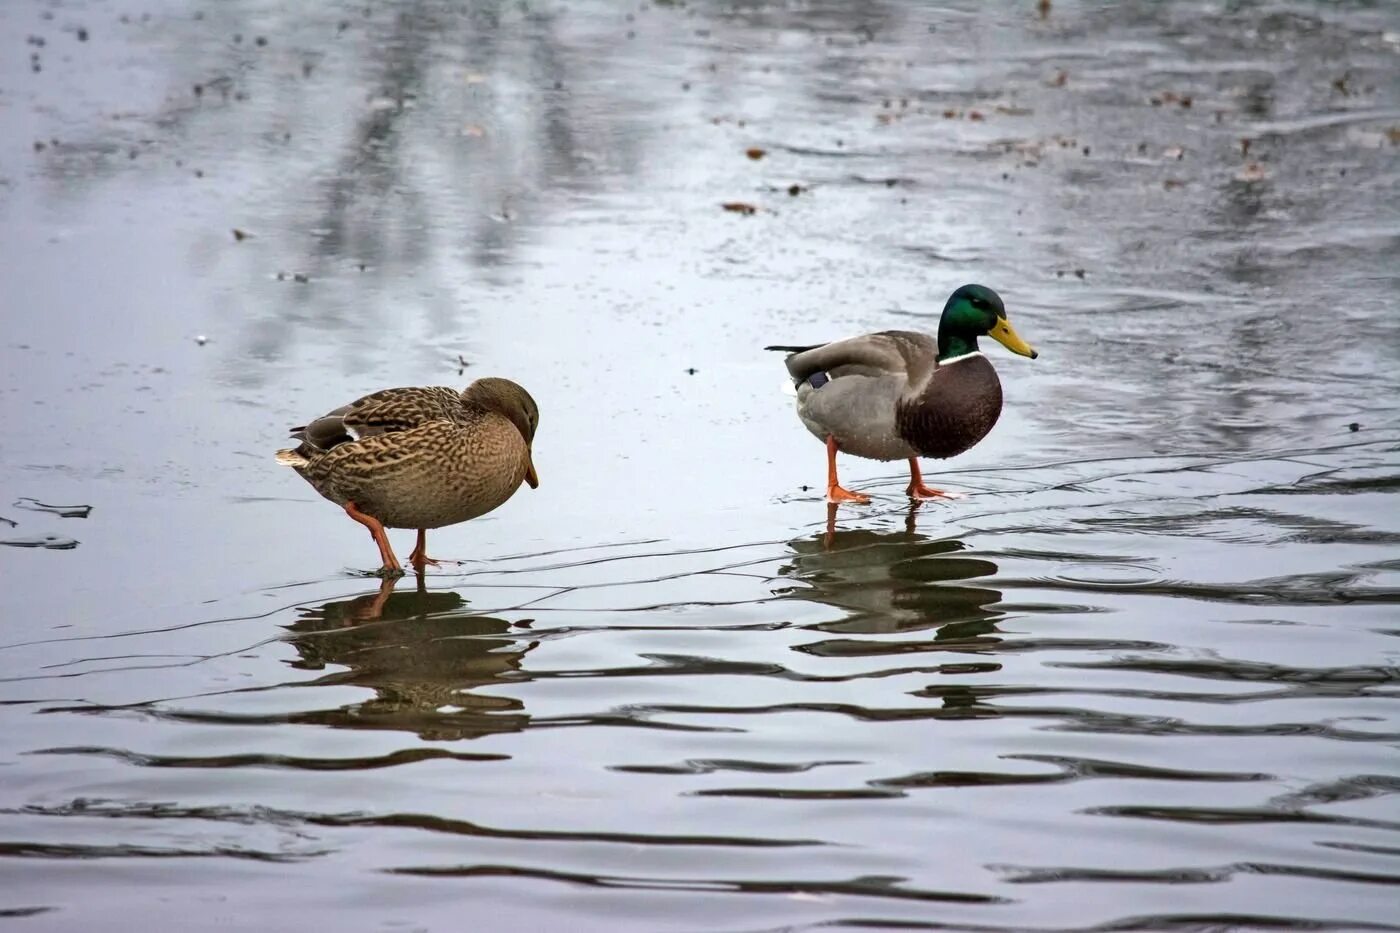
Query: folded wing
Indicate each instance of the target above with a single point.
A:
(384, 412)
(883, 354)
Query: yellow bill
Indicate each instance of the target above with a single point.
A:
(1004, 334)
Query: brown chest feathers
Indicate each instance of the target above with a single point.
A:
(956, 410)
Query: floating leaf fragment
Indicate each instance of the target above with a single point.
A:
(62, 511)
(48, 542)
(1252, 172)
(739, 207)
(755, 153)
(1171, 97)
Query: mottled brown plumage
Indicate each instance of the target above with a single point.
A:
(420, 457)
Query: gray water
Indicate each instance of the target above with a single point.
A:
(1142, 677)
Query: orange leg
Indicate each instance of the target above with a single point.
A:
(917, 489)
(391, 566)
(419, 558)
(834, 492)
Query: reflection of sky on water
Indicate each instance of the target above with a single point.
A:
(1175, 554)
(425, 167)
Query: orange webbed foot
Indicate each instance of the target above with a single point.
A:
(920, 491)
(420, 559)
(917, 490)
(835, 493)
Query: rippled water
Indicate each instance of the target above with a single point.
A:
(1143, 677)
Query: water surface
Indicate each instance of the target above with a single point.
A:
(1142, 677)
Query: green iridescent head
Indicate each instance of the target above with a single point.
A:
(976, 311)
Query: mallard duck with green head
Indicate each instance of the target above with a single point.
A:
(420, 457)
(902, 395)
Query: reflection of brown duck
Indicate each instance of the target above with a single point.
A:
(894, 582)
(422, 653)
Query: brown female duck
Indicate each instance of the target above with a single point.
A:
(903, 395)
(420, 457)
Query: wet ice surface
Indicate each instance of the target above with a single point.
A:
(1144, 674)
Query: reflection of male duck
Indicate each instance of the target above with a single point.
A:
(894, 582)
(421, 652)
